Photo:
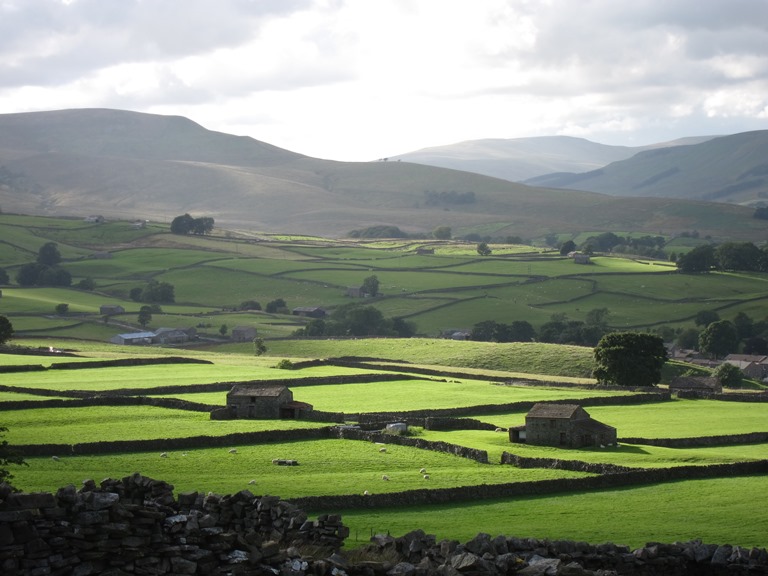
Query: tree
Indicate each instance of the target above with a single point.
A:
(371, 285)
(48, 255)
(145, 315)
(223, 329)
(259, 347)
(483, 249)
(442, 233)
(597, 317)
(6, 330)
(729, 375)
(700, 259)
(62, 309)
(135, 294)
(738, 256)
(86, 284)
(161, 292)
(629, 359)
(276, 305)
(567, 247)
(706, 317)
(8, 456)
(182, 224)
(744, 325)
(250, 305)
(688, 339)
(756, 345)
(719, 339)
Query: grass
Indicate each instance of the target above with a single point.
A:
(325, 467)
(676, 511)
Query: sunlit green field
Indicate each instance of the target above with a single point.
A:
(671, 512)
(325, 467)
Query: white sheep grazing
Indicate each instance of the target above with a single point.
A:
(55, 458)
(164, 455)
(384, 477)
(423, 471)
(382, 449)
(366, 493)
(426, 476)
(233, 450)
(499, 429)
(184, 454)
(252, 482)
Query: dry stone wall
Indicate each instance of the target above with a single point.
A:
(135, 526)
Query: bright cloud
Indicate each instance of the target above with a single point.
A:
(357, 80)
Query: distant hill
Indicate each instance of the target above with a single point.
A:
(519, 159)
(725, 169)
(124, 164)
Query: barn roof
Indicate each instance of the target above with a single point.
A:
(263, 391)
(553, 410)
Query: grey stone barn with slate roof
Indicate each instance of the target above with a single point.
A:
(265, 402)
(563, 426)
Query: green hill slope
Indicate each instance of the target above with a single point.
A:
(129, 165)
(726, 169)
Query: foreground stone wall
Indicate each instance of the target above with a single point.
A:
(136, 526)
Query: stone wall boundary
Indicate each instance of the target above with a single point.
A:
(694, 442)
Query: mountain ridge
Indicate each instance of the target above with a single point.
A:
(124, 164)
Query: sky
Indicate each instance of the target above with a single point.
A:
(359, 80)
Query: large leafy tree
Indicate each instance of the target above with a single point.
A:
(629, 359)
(700, 259)
(49, 255)
(6, 330)
(371, 285)
(719, 339)
(8, 456)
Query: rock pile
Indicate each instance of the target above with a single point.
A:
(135, 526)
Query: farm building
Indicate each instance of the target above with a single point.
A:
(309, 311)
(243, 333)
(170, 336)
(109, 309)
(704, 385)
(753, 366)
(267, 402)
(133, 338)
(562, 425)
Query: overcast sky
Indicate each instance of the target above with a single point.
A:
(365, 79)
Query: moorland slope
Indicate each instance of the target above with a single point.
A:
(128, 165)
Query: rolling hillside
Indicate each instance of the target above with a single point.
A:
(519, 159)
(129, 165)
(725, 169)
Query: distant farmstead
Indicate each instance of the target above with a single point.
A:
(562, 425)
(265, 402)
(243, 333)
(110, 309)
(309, 311)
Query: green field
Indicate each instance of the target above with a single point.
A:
(452, 289)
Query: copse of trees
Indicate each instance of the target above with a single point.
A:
(45, 271)
(357, 320)
(186, 224)
(492, 331)
(729, 256)
(154, 292)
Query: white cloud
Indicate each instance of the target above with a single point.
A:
(357, 80)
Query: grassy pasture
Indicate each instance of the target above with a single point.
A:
(325, 467)
(675, 511)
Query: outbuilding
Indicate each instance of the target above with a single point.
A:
(265, 402)
(562, 425)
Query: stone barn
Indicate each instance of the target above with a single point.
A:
(563, 426)
(265, 402)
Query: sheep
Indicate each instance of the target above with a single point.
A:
(55, 458)
(184, 454)
(252, 482)
(499, 429)
(423, 471)
(233, 450)
(384, 477)
(382, 449)
(164, 455)
(366, 493)
(426, 476)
